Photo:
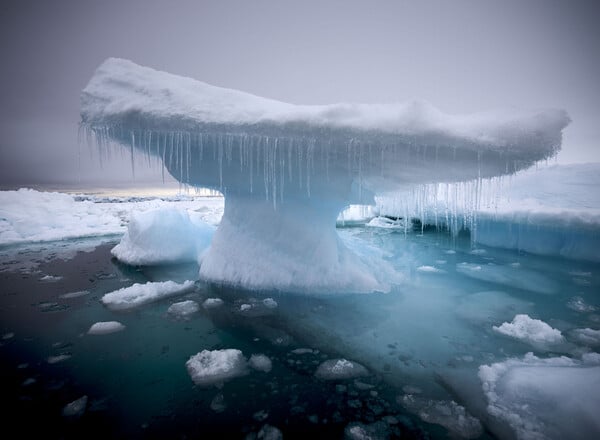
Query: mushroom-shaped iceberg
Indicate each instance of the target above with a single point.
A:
(286, 171)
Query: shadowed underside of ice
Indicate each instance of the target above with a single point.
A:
(287, 171)
(545, 398)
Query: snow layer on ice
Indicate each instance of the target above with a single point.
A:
(337, 369)
(105, 328)
(163, 236)
(549, 398)
(530, 330)
(214, 367)
(28, 216)
(139, 294)
(183, 309)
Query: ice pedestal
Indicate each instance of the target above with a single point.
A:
(288, 170)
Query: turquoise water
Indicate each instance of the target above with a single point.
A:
(427, 337)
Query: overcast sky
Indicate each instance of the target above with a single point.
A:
(461, 56)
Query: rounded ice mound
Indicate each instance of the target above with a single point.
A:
(212, 303)
(105, 328)
(530, 330)
(183, 309)
(144, 242)
(217, 366)
(260, 362)
(339, 369)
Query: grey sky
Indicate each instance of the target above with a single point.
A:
(462, 56)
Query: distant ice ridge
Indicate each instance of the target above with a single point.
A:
(287, 171)
(29, 216)
(549, 398)
(137, 295)
(163, 236)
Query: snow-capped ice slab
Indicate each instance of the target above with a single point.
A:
(545, 398)
(137, 295)
(215, 367)
(287, 171)
(163, 236)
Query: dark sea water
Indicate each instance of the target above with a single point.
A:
(428, 336)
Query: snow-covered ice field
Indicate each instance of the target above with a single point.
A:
(482, 338)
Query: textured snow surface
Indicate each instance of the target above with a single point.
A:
(336, 369)
(139, 294)
(528, 329)
(28, 216)
(214, 367)
(549, 398)
(105, 328)
(163, 236)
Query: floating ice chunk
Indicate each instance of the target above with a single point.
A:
(212, 303)
(530, 330)
(76, 294)
(148, 232)
(270, 303)
(260, 362)
(429, 269)
(58, 358)
(7, 336)
(373, 431)
(105, 328)
(76, 408)
(587, 336)
(449, 414)
(139, 294)
(50, 278)
(260, 416)
(214, 367)
(268, 432)
(339, 369)
(545, 398)
(218, 403)
(303, 351)
(245, 307)
(183, 309)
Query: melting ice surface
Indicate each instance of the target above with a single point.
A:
(287, 171)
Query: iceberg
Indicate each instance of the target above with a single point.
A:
(287, 171)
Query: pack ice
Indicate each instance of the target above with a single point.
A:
(287, 171)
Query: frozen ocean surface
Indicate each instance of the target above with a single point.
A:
(471, 341)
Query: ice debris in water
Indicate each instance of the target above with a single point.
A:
(212, 303)
(270, 303)
(137, 295)
(578, 304)
(214, 367)
(549, 398)
(260, 362)
(58, 358)
(218, 404)
(105, 328)
(50, 278)
(339, 369)
(76, 408)
(144, 242)
(360, 431)
(449, 414)
(183, 309)
(530, 330)
(75, 294)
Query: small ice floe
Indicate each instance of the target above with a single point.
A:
(183, 309)
(578, 304)
(303, 351)
(214, 367)
(361, 431)
(260, 416)
(530, 330)
(339, 369)
(58, 358)
(268, 432)
(76, 294)
(50, 279)
(76, 408)
(105, 328)
(478, 252)
(245, 307)
(446, 413)
(270, 303)
(29, 381)
(212, 303)
(429, 269)
(450, 251)
(137, 295)
(260, 362)
(7, 336)
(253, 308)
